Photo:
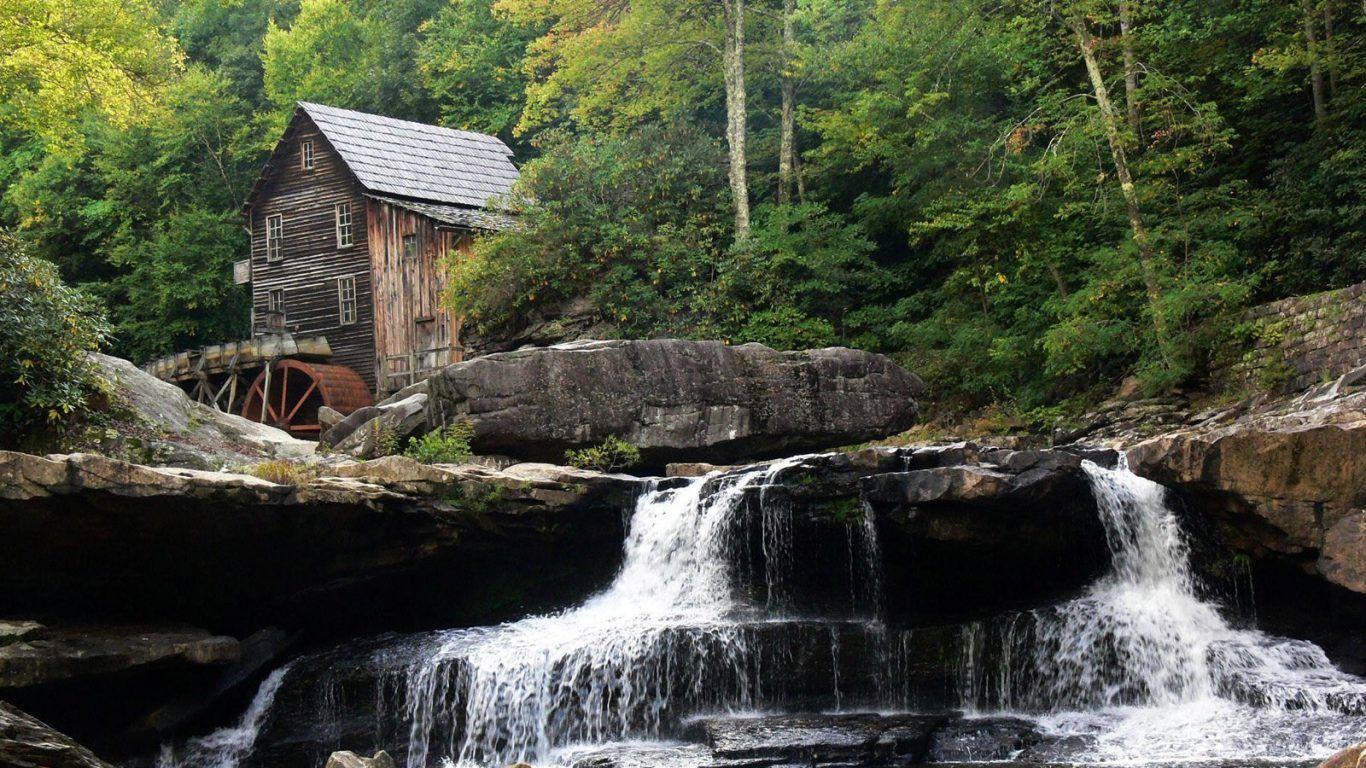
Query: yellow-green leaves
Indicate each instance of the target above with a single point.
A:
(60, 58)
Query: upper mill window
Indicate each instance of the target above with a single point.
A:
(344, 228)
(409, 247)
(275, 235)
(306, 155)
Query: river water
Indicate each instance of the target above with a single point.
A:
(1139, 669)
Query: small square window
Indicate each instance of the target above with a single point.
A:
(275, 235)
(275, 309)
(344, 228)
(346, 299)
(306, 155)
(409, 247)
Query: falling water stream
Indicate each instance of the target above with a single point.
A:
(669, 634)
(1139, 668)
(1149, 669)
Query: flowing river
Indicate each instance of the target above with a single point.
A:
(1138, 669)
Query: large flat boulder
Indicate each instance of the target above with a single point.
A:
(177, 431)
(676, 400)
(38, 655)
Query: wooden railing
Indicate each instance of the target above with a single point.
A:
(399, 371)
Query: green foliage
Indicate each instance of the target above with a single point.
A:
(47, 330)
(472, 59)
(60, 59)
(610, 455)
(475, 498)
(444, 445)
(355, 55)
(959, 206)
(633, 223)
(795, 282)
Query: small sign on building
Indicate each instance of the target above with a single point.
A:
(241, 272)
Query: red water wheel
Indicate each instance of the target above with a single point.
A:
(290, 392)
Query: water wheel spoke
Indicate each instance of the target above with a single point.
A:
(301, 384)
(312, 387)
(284, 393)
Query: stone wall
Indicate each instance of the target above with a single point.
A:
(1300, 341)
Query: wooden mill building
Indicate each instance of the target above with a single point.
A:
(352, 222)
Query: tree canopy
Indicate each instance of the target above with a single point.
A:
(1023, 201)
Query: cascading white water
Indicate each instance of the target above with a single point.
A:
(669, 632)
(1149, 669)
(226, 747)
(1139, 668)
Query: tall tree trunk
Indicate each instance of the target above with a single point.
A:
(1147, 261)
(1315, 71)
(1126, 27)
(733, 59)
(1330, 46)
(787, 141)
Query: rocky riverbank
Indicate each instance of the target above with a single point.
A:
(173, 590)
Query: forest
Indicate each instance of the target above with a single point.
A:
(1024, 201)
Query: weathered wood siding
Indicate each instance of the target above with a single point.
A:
(409, 315)
(311, 261)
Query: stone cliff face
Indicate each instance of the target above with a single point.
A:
(91, 538)
(394, 544)
(1285, 481)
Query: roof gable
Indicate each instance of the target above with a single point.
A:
(413, 160)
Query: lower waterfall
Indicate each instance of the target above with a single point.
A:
(667, 637)
(1138, 668)
(1150, 669)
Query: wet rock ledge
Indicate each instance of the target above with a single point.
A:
(387, 543)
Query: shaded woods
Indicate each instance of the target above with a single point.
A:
(1023, 201)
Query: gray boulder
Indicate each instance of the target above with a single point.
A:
(676, 400)
(363, 433)
(353, 760)
(189, 434)
(34, 654)
(27, 742)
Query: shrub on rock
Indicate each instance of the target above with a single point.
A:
(46, 330)
(444, 445)
(610, 455)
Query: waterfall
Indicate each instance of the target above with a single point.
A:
(1138, 668)
(226, 747)
(1148, 667)
(668, 635)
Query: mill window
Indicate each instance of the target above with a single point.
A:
(275, 302)
(306, 155)
(346, 299)
(344, 236)
(275, 235)
(409, 247)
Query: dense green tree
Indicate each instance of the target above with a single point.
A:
(348, 54)
(1024, 201)
(59, 59)
(46, 330)
(472, 61)
(635, 223)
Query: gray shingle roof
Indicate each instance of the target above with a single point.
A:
(455, 215)
(407, 159)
